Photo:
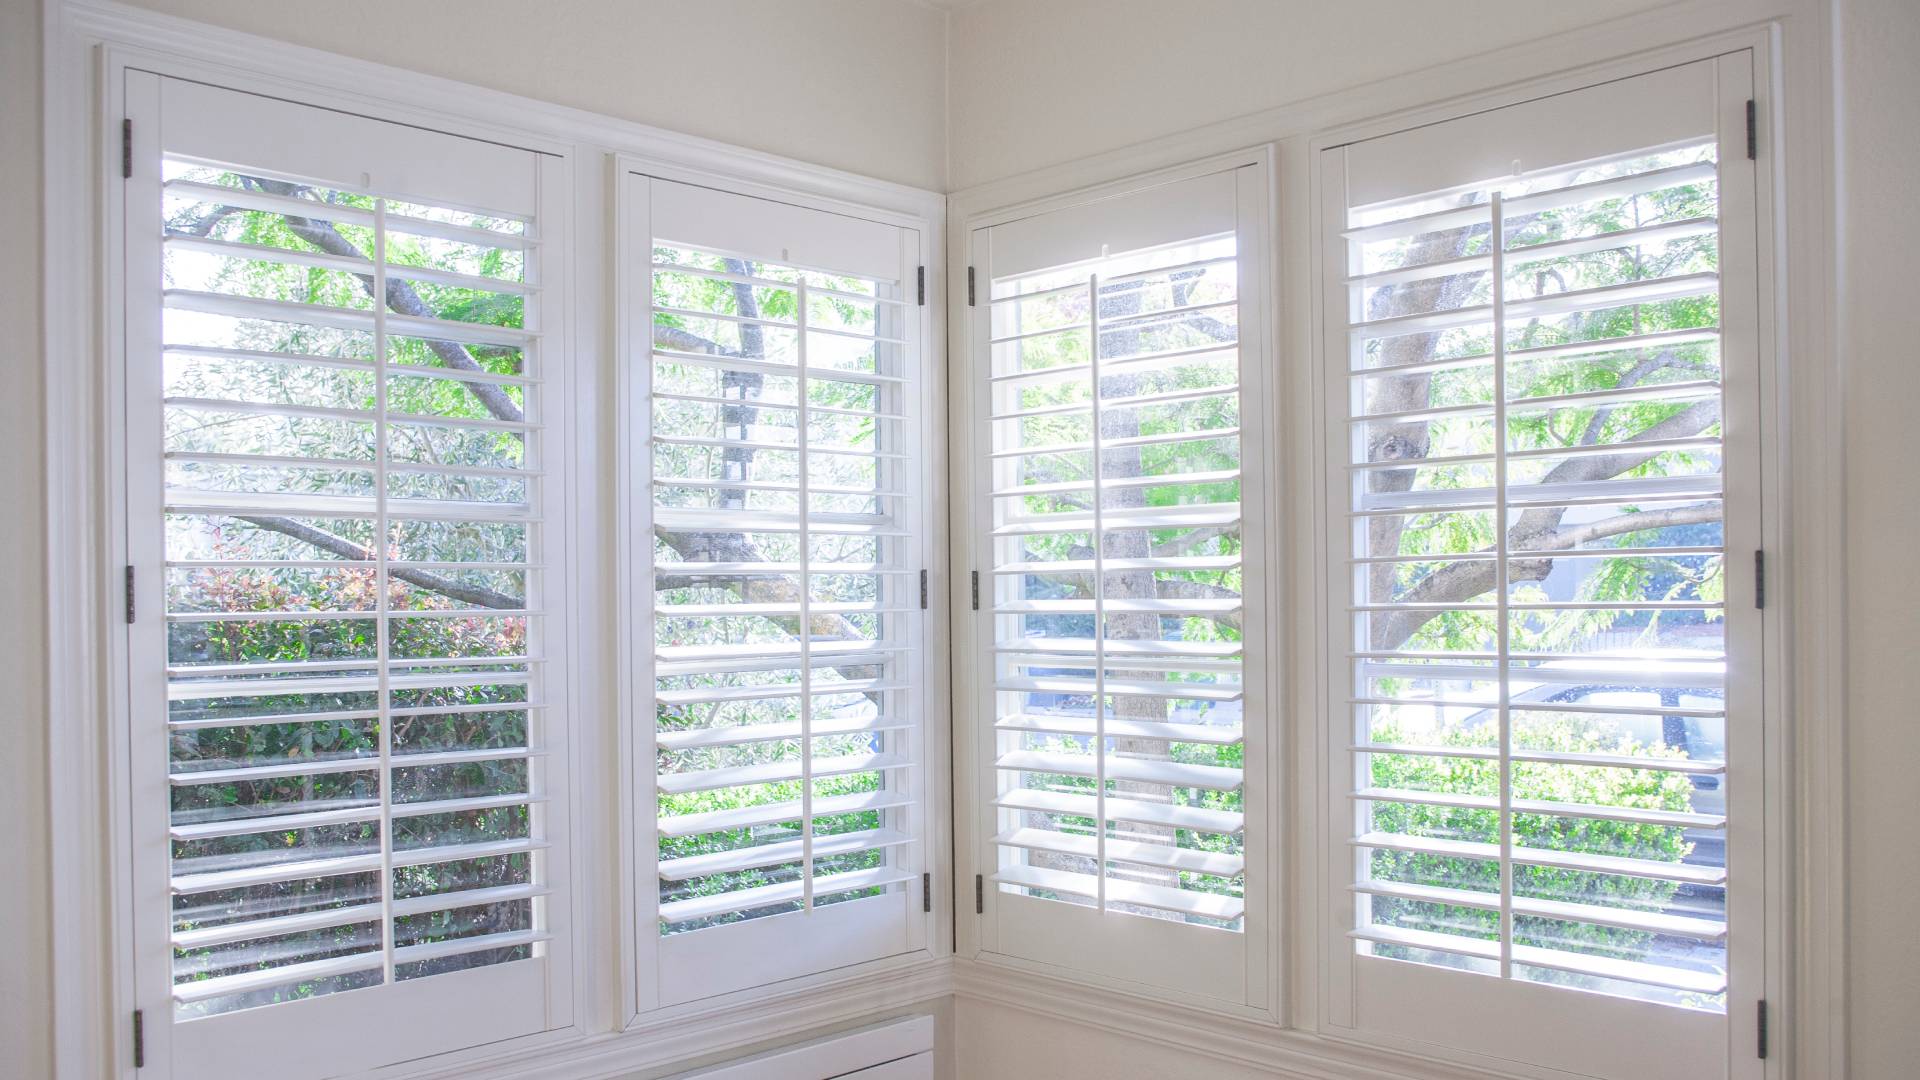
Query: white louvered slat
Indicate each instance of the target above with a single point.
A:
(1128, 851)
(1183, 901)
(703, 907)
(334, 723)
(1569, 678)
(1115, 579)
(1172, 815)
(1143, 770)
(747, 858)
(783, 606)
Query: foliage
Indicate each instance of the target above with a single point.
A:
(1649, 789)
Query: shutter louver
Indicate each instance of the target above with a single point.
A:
(1116, 582)
(1539, 660)
(785, 588)
(355, 649)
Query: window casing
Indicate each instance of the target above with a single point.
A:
(777, 416)
(1543, 440)
(343, 518)
(1120, 650)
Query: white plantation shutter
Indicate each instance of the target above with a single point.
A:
(1547, 474)
(777, 378)
(1115, 610)
(343, 526)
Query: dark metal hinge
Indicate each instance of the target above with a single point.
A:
(920, 289)
(129, 593)
(923, 590)
(1759, 579)
(970, 286)
(979, 895)
(1753, 131)
(139, 1039)
(1763, 1028)
(976, 590)
(126, 149)
(926, 892)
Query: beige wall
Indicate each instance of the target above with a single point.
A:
(1036, 84)
(854, 84)
(1879, 161)
(24, 1042)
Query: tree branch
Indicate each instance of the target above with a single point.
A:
(347, 549)
(1461, 581)
(401, 297)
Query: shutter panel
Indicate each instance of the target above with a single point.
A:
(338, 464)
(1116, 534)
(1538, 390)
(785, 631)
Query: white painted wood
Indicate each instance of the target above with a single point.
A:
(1228, 968)
(159, 43)
(1532, 1025)
(917, 1067)
(401, 1020)
(893, 1050)
(1795, 112)
(777, 232)
(1148, 218)
(221, 126)
(1613, 118)
(759, 225)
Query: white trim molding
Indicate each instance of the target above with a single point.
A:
(1805, 979)
(87, 45)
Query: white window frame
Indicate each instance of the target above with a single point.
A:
(251, 1032)
(1121, 953)
(91, 47)
(1804, 932)
(634, 231)
(1765, 906)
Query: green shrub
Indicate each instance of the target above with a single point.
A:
(1649, 789)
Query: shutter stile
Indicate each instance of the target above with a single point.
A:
(1539, 679)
